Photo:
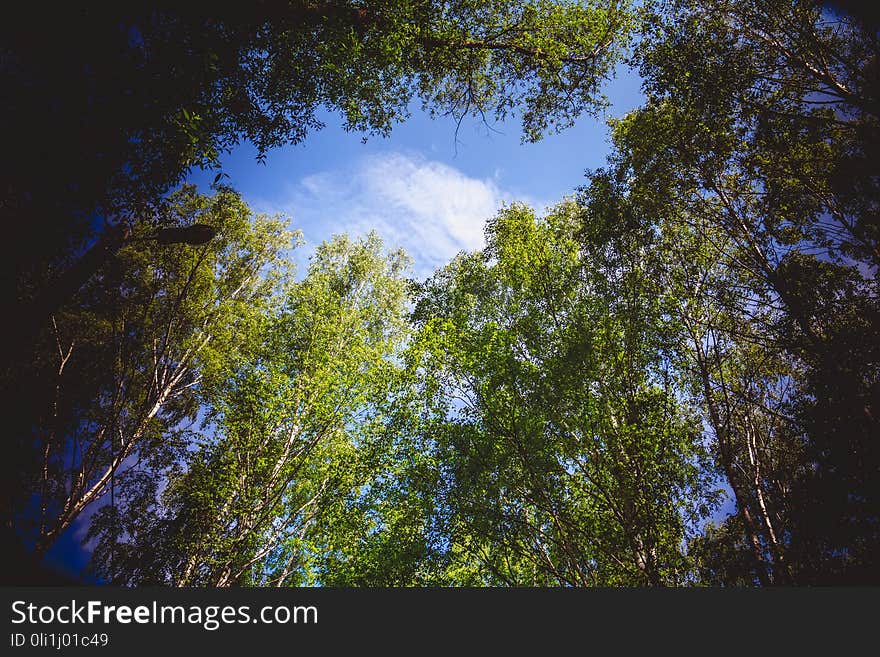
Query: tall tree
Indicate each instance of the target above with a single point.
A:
(117, 380)
(754, 157)
(289, 434)
(566, 457)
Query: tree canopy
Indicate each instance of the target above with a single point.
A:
(570, 405)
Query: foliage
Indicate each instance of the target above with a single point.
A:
(752, 159)
(106, 109)
(117, 381)
(290, 431)
(566, 457)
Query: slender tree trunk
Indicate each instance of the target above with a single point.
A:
(781, 572)
(725, 451)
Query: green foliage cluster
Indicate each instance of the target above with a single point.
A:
(566, 458)
(118, 379)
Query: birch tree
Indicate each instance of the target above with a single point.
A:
(125, 360)
(564, 455)
(288, 436)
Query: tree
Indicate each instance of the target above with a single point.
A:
(289, 435)
(557, 408)
(117, 381)
(752, 159)
(565, 457)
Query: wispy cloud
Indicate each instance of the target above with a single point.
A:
(430, 209)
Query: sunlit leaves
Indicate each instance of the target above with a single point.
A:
(566, 461)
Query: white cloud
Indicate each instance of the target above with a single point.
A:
(430, 209)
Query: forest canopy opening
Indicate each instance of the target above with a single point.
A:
(569, 405)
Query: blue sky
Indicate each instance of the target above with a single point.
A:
(424, 188)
